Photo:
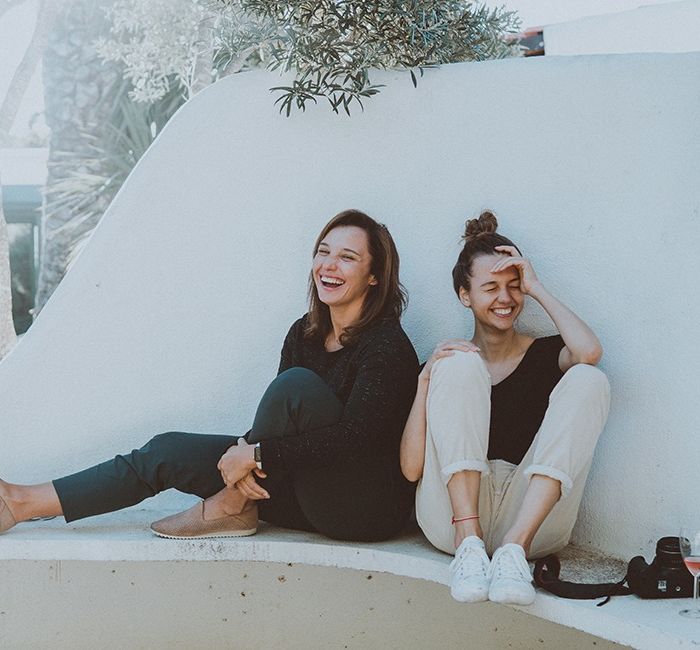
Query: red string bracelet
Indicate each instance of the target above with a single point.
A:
(454, 520)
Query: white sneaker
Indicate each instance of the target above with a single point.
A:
(511, 581)
(470, 583)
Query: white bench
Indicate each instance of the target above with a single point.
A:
(125, 538)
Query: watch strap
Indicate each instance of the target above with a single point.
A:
(257, 455)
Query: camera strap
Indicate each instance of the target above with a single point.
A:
(546, 576)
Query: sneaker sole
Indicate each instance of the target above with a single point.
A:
(238, 533)
(479, 599)
(510, 601)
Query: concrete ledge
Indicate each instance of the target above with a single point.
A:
(125, 536)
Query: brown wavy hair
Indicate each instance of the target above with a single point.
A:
(480, 238)
(386, 299)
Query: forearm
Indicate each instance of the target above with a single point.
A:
(237, 462)
(412, 451)
(581, 343)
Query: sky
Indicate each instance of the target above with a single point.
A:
(17, 24)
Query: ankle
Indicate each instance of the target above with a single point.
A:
(29, 501)
(228, 501)
(467, 529)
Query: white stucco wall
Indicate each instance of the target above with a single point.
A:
(174, 314)
(546, 12)
(670, 27)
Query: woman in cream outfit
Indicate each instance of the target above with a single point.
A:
(503, 427)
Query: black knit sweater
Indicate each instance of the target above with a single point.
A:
(375, 378)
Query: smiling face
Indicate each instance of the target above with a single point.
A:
(341, 268)
(495, 298)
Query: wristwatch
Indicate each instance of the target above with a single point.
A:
(257, 455)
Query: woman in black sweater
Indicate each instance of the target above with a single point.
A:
(322, 454)
(503, 427)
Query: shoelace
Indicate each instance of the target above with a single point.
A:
(509, 565)
(468, 562)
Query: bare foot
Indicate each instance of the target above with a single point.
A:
(28, 501)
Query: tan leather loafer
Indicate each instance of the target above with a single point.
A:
(192, 524)
(7, 521)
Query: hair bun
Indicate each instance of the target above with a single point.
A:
(486, 224)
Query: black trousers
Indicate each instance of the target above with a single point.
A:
(365, 501)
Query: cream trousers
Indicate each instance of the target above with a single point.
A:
(457, 438)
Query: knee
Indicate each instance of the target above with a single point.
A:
(292, 381)
(589, 378)
(590, 387)
(163, 445)
(461, 367)
(289, 391)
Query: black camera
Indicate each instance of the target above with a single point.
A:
(665, 577)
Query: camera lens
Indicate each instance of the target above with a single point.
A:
(668, 552)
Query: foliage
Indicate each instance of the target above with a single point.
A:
(155, 41)
(332, 44)
(329, 45)
(172, 43)
(91, 178)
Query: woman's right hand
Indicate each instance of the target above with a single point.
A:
(446, 349)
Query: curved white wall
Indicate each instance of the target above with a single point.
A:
(666, 27)
(173, 316)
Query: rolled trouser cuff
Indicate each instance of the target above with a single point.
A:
(553, 473)
(470, 465)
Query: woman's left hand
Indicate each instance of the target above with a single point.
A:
(236, 462)
(529, 281)
(250, 487)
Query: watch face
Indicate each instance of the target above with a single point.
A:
(256, 454)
